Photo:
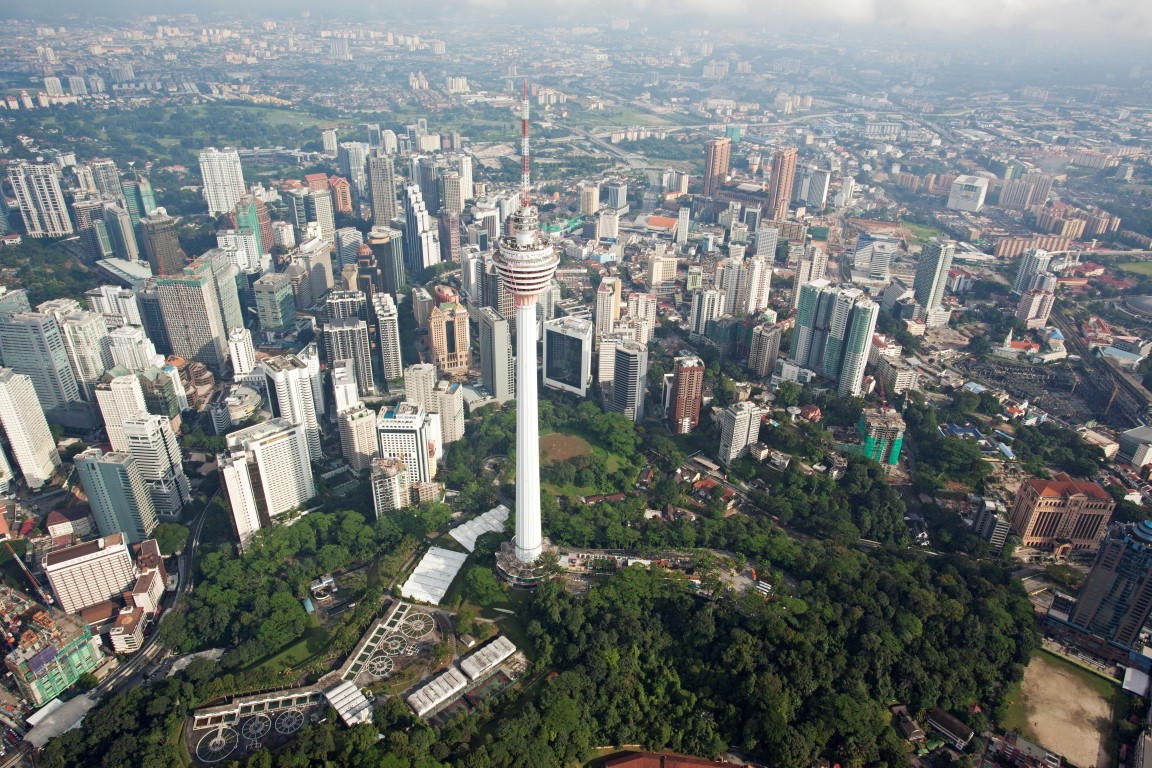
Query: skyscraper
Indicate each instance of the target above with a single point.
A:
(152, 315)
(275, 302)
(717, 157)
(834, 327)
(739, 428)
(152, 443)
(497, 365)
(117, 493)
(419, 383)
(357, 436)
(223, 179)
(121, 232)
(527, 264)
(267, 474)
(642, 309)
(568, 354)
(390, 486)
(192, 315)
(812, 266)
(348, 242)
(873, 254)
(161, 245)
(1033, 263)
(86, 342)
(764, 350)
(32, 344)
(241, 352)
(387, 249)
(407, 432)
(707, 304)
(119, 398)
(450, 338)
(388, 335)
(139, 199)
(683, 410)
(252, 214)
(40, 199)
(626, 395)
(589, 199)
(682, 224)
(290, 396)
(347, 339)
(932, 278)
(1116, 598)
(421, 238)
(26, 428)
(781, 181)
(607, 311)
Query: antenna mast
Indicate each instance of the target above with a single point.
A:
(524, 182)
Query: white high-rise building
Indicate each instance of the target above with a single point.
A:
(390, 486)
(932, 279)
(967, 193)
(89, 573)
(408, 433)
(739, 428)
(759, 283)
(682, 224)
(497, 365)
(40, 199)
(388, 335)
(27, 429)
(85, 339)
(241, 352)
(118, 494)
(132, 349)
(290, 396)
(119, 398)
(419, 383)
(1033, 263)
(118, 305)
(527, 264)
(358, 436)
(268, 473)
(243, 247)
(344, 389)
(223, 179)
(812, 266)
(607, 309)
(707, 304)
(32, 344)
(642, 307)
(348, 241)
(152, 443)
(448, 404)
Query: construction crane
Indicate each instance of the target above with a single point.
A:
(45, 597)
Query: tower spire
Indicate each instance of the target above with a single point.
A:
(524, 180)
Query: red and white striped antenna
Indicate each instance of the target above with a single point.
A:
(524, 180)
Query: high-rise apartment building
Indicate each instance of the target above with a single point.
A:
(833, 331)
(764, 349)
(388, 335)
(717, 158)
(450, 338)
(421, 236)
(357, 436)
(275, 302)
(1116, 598)
(419, 384)
(153, 445)
(93, 572)
(192, 315)
(267, 473)
(118, 305)
(707, 304)
(382, 187)
(347, 339)
(160, 243)
(86, 342)
(759, 281)
(683, 222)
(223, 179)
(1034, 308)
(781, 181)
(40, 199)
(1033, 264)
(390, 486)
(116, 491)
(119, 398)
(739, 428)
(497, 364)
(589, 199)
(813, 265)
(642, 308)
(1061, 512)
(873, 255)
(241, 352)
(630, 376)
(932, 279)
(32, 344)
(448, 404)
(252, 214)
(26, 428)
(408, 433)
(882, 435)
(683, 408)
(291, 398)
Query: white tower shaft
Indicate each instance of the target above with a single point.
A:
(528, 523)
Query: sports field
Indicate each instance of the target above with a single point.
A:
(557, 447)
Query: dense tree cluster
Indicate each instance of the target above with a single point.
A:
(46, 270)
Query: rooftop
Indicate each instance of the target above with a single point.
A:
(84, 549)
(1062, 485)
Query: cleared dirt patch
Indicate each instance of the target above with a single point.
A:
(1068, 711)
(557, 447)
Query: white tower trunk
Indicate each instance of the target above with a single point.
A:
(528, 527)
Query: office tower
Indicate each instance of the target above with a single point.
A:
(1061, 512)
(781, 181)
(252, 214)
(152, 443)
(607, 312)
(390, 486)
(642, 308)
(160, 243)
(707, 304)
(87, 213)
(26, 428)
(357, 436)
(290, 397)
(347, 339)
(93, 572)
(192, 315)
(344, 389)
(682, 225)
(388, 335)
(387, 264)
(346, 305)
(497, 365)
(329, 141)
(347, 241)
(764, 350)
(51, 655)
(421, 239)
(967, 193)
(683, 409)
(267, 473)
(449, 337)
(118, 494)
(589, 199)
(243, 248)
(628, 382)
(608, 227)
(139, 199)
(932, 278)
(811, 187)
(241, 352)
(40, 200)
(121, 232)
(406, 432)
(223, 179)
(882, 435)
(811, 267)
(448, 403)
(448, 229)
(617, 194)
(419, 384)
(351, 157)
(739, 428)
(132, 349)
(759, 269)
(873, 254)
(1034, 308)
(32, 344)
(834, 328)
(86, 342)
(152, 315)
(717, 156)
(275, 302)
(308, 206)
(1116, 598)
(1033, 264)
(118, 305)
(453, 192)
(568, 354)
(119, 398)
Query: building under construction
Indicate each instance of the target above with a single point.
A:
(48, 650)
(882, 435)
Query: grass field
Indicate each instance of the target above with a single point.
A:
(920, 232)
(1138, 267)
(302, 651)
(557, 447)
(1063, 707)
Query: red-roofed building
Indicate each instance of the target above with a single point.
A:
(1061, 513)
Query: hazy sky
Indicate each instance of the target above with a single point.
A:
(1063, 18)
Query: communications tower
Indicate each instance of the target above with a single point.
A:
(526, 263)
